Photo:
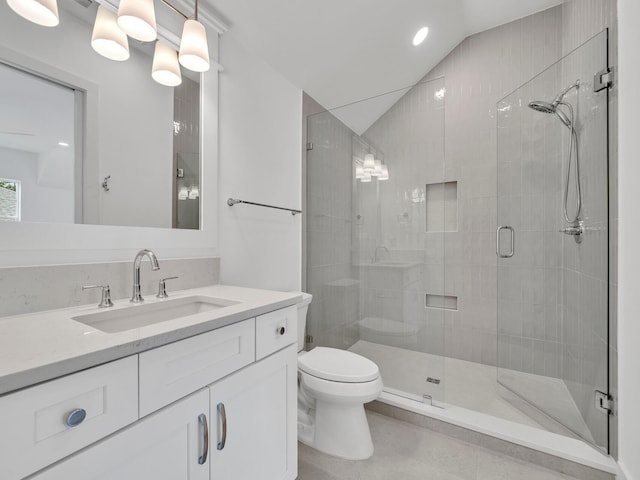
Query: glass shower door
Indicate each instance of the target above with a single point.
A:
(377, 220)
(552, 242)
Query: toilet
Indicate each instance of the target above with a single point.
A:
(333, 387)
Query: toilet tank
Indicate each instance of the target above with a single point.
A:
(303, 306)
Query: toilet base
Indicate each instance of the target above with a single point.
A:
(339, 430)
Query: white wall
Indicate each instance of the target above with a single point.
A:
(629, 255)
(260, 135)
(38, 203)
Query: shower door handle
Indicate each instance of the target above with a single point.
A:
(513, 242)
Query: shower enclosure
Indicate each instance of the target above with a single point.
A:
(553, 272)
(401, 246)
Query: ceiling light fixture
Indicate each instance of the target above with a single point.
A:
(137, 18)
(194, 48)
(107, 38)
(63, 144)
(41, 12)
(166, 69)
(420, 36)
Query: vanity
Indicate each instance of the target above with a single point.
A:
(208, 392)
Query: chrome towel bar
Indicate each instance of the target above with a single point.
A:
(233, 201)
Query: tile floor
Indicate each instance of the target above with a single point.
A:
(406, 452)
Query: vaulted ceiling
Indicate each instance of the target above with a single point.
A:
(342, 51)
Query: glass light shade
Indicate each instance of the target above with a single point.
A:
(369, 163)
(137, 18)
(194, 50)
(359, 172)
(166, 69)
(41, 12)
(384, 175)
(366, 178)
(194, 193)
(377, 168)
(107, 38)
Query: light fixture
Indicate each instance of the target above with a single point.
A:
(359, 172)
(194, 49)
(384, 175)
(166, 69)
(107, 38)
(137, 18)
(194, 193)
(366, 178)
(63, 144)
(41, 12)
(420, 36)
(377, 168)
(369, 163)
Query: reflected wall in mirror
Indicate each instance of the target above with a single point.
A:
(92, 140)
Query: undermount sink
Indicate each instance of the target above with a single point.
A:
(137, 316)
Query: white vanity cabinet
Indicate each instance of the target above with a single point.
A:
(206, 407)
(253, 421)
(167, 445)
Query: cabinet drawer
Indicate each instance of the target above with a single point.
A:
(33, 429)
(276, 330)
(173, 371)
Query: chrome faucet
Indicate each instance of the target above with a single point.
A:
(375, 253)
(137, 298)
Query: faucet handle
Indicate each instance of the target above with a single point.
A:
(105, 301)
(162, 288)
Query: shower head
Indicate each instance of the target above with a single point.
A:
(546, 107)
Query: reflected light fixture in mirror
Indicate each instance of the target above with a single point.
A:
(41, 12)
(137, 18)
(366, 178)
(107, 38)
(384, 175)
(369, 163)
(166, 69)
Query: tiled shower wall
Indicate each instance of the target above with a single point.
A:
(478, 73)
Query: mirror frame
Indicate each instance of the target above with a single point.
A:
(34, 243)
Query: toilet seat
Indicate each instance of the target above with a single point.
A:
(338, 366)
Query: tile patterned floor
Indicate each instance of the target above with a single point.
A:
(406, 452)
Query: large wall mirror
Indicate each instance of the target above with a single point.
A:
(87, 140)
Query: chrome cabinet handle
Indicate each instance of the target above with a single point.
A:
(204, 431)
(513, 242)
(223, 414)
(75, 417)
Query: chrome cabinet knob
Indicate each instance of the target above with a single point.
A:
(281, 330)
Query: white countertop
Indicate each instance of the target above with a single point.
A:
(40, 346)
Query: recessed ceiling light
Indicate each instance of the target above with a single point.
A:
(63, 144)
(420, 36)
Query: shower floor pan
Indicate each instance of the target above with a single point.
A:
(470, 397)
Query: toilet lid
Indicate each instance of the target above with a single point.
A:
(338, 365)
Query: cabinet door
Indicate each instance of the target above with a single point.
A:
(163, 446)
(254, 414)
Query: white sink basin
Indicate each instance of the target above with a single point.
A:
(137, 316)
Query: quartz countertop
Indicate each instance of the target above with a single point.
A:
(37, 347)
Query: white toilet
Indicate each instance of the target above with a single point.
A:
(333, 387)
